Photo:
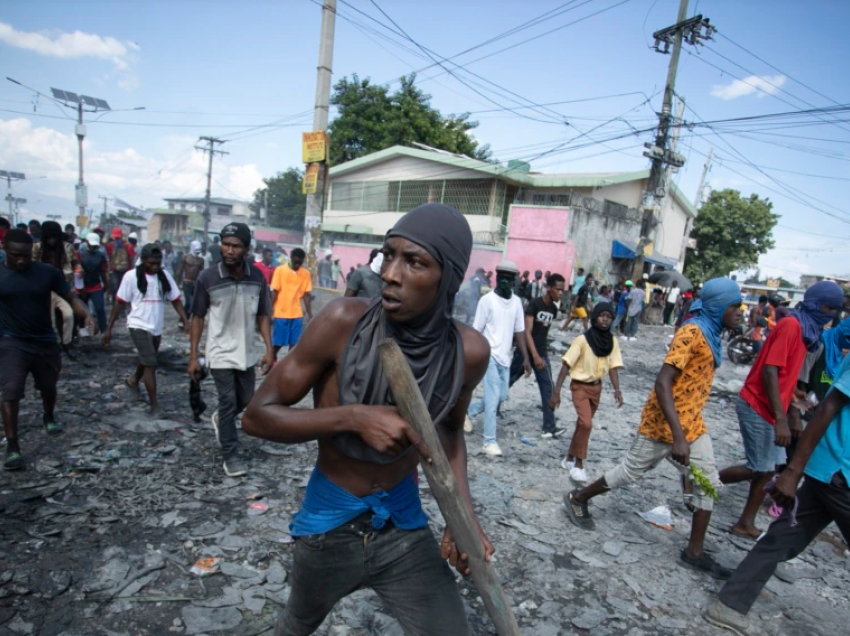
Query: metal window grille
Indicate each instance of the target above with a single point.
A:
(469, 196)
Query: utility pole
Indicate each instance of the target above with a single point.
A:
(212, 141)
(105, 199)
(12, 176)
(82, 198)
(697, 203)
(693, 31)
(316, 201)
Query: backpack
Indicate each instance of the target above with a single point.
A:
(120, 260)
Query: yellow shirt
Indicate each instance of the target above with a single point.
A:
(585, 366)
(290, 287)
(690, 353)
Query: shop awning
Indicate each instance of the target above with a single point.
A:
(622, 250)
(627, 251)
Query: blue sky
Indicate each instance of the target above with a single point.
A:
(232, 69)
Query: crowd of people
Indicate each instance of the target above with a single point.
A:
(361, 522)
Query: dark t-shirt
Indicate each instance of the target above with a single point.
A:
(543, 315)
(215, 253)
(581, 297)
(25, 301)
(365, 283)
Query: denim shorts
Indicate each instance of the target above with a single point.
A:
(759, 435)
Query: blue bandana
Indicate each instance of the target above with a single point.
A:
(715, 296)
(808, 312)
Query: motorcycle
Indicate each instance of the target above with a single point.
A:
(741, 348)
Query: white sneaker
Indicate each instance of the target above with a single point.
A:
(633, 338)
(567, 464)
(578, 475)
(492, 450)
(467, 425)
(624, 338)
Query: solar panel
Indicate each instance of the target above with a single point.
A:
(72, 97)
(102, 104)
(4, 174)
(88, 101)
(58, 94)
(17, 175)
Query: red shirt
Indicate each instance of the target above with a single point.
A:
(267, 270)
(784, 348)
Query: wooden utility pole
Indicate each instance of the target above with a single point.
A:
(668, 40)
(316, 200)
(212, 141)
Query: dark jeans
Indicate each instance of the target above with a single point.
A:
(235, 389)
(188, 296)
(544, 383)
(631, 327)
(97, 299)
(402, 566)
(668, 312)
(819, 504)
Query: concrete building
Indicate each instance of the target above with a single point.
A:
(807, 280)
(222, 212)
(173, 224)
(545, 221)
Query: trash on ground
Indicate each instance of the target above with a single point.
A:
(206, 566)
(659, 516)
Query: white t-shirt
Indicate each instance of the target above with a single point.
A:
(673, 294)
(498, 320)
(146, 312)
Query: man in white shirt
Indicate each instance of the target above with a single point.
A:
(670, 305)
(499, 317)
(145, 288)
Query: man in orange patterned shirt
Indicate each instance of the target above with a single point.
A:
(672, 426)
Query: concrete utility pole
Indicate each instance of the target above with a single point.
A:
(105, 199)
(12, 176)
(316, 202)
(692, 31)
(81, 134)
(212, 141)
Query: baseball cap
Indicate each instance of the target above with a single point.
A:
(116, 232)
(133, 235)
(93, 238)
(629, 283)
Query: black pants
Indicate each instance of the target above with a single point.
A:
(402, 566)
(819, 504)
(668, 312)
(235, 389)
(544, 383)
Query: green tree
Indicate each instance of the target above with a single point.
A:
(731, 233)
(370, 118)
(286, 203)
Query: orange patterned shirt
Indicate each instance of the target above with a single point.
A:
(690, 353)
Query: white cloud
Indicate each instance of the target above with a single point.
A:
(761, 84)
(78, 45)
(139, 179)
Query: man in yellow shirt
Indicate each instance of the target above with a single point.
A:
(590, 356)
(291, 285)
(672, 426)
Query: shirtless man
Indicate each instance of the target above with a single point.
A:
(361, 522)
(187, 273)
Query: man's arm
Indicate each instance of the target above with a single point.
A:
(117, 307)
(179, 274)
(272, 416)
(519, 339)
(477, 357)
(307, 308)
(555, 400)
(614, 375)
(80, 310)
(770, 377)
(664, 391)
(786, 485)
(264, 326)
(178, 307)
(532, 349)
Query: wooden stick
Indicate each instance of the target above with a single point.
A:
(444, 487)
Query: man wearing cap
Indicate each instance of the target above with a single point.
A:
(361, 523)
(121, 255)
(236, 297)
(28, 343)
(500, 319)
(187, 273)
(325, 265)
(145, 288)
(95, 268)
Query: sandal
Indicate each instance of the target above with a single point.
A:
(578, 512)
(52, 426)
(14, 461)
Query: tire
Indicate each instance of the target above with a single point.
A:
(740, 350)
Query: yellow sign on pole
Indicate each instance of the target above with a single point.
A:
(773, 282)
(82, 221)
(311, 179)
(314, 146)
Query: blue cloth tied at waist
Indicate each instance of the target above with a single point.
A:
(327, 506)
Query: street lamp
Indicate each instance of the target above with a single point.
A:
(11, 176)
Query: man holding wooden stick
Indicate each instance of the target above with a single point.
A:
(361, 523)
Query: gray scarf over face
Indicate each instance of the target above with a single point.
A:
(431, 342)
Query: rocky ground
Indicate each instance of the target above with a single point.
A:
(100, 534)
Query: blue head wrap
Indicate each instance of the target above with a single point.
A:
(716, 295)
(834, 340)
(808, 312)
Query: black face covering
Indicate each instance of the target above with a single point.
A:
(600, 340)
(430, 342)
(504, 285)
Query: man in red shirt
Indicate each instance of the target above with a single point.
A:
(266, 266)
(763, 404)
(122, 258)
